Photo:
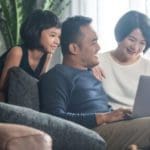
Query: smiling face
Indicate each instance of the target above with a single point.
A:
(131, 47)
(50, 39)
(88, 47)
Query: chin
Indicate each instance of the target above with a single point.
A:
(94, 64)
(50, 51)
(97, 62)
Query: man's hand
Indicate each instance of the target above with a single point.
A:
(116, 115)
(98, 72)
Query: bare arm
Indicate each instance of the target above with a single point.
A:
(47, 63)
(13, 59)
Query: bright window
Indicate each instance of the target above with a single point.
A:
(105, 14)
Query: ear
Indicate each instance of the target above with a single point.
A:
(74, 48)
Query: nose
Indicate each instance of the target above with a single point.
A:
(98, 47)
(57, 40)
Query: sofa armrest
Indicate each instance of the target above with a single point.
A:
(19, 137)
(66, 135)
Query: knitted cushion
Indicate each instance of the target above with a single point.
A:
(22, 89)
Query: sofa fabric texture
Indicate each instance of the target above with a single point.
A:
(19, 137)
(22, 89)
(66, 135)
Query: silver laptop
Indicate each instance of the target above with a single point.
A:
(141, 106)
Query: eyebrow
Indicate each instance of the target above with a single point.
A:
(52, 32)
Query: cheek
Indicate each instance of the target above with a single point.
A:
(42, 40)
(45, 41)
(122, 48)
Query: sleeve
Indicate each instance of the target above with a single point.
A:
(54, 99)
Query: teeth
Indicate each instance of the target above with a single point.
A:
(130, 51)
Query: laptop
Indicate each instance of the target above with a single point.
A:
(141, 107)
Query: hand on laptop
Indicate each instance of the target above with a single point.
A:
(116, 115)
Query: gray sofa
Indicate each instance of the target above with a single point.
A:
(23, 108)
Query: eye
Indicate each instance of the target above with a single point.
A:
(143, 43)
(94, 42)
(131, 39)
(52, 35)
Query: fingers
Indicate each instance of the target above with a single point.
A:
(120, 113)
(102, 73)
(126, 113)
(116, 115)
(98, 72)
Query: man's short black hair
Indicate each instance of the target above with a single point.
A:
(130, 21)
(34, 24)
(71, 31)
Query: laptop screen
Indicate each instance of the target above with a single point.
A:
(141, 106)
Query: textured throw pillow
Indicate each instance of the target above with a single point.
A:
(22, 89)
(65, 134)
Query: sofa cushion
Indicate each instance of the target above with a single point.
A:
(19, 137)
(65, 134)
(22, 89)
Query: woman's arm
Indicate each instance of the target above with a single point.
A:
(47, 63)
(13, 59)
(98, 72)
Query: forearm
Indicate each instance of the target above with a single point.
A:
(47, 63)
(87, 120)
(100, 119)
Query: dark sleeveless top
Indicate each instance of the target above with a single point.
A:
(24, 64)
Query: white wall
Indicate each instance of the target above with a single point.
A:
(105, 14)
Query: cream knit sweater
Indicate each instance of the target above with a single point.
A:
(122, 80)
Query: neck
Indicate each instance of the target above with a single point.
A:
(35, 54)
(73, 62)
